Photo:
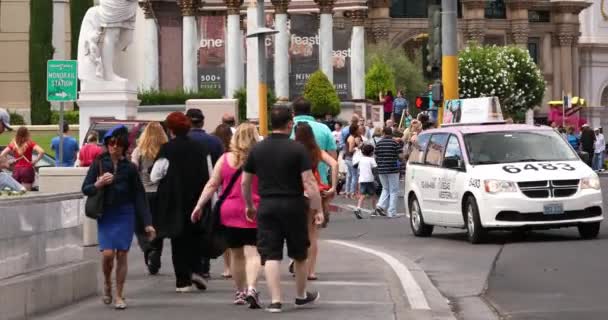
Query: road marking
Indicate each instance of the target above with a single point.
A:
(414, 293)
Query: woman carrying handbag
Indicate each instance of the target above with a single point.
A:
(240, 233)
(116, 194)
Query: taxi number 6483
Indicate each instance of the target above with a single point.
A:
(539, 166)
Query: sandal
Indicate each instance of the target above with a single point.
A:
(120, 305)
(312, 278)
(107, 297)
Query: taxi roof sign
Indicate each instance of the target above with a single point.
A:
(472, 111)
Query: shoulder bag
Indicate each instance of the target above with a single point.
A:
(214, 240)
(94, 205)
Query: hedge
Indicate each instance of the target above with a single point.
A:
(71, 117)
(155, 98)
(241, 96)
(40, 51)
(16, 119)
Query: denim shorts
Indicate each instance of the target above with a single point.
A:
(367, 188)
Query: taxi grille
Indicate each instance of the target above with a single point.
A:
(549, 188)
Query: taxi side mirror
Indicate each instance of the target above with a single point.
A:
(453, 163)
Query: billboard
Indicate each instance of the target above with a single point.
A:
(212, 53)
(303, 54)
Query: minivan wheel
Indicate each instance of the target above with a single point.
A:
(419, 228)
(589, 230)
(475, 231)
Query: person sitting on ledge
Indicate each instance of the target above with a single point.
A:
(6, 181)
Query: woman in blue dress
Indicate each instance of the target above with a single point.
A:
(124, 197)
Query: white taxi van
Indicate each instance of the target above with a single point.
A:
(484, 175)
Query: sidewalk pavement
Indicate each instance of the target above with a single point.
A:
(353, 285)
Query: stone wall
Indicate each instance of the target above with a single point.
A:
(41, 255)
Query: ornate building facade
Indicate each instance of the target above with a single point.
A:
(171, 33)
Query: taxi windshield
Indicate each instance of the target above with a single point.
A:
(517, 146)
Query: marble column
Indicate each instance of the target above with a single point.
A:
(475, 22)
(565, 49)
(557, 70)
(150, 55)
(520, 26)
(576, 62)
(60, 10)
(59, 29)
(281, 49)
(357, 59)
(326, 37)
(190, 44)
(252, 62)
(233, 47)
(243, 52)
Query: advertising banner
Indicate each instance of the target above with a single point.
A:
(303, 54)
(212, 53)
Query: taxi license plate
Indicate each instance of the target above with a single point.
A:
(553, 208)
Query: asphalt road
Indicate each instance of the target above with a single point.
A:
(538, 275)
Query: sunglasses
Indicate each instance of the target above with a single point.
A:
(115, 143)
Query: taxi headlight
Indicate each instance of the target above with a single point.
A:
(498, 186)
(592, 182)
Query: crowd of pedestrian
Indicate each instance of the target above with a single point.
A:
(590, 142)
(267, 192)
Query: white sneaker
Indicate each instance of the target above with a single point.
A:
(187, 289)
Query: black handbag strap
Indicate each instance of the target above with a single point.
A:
(233, 180)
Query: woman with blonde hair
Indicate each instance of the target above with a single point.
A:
(241, 233)
(143, 157)
(22, 147)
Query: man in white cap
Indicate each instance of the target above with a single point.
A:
(5, 121)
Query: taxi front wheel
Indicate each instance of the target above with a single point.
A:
(475, 231)
(419, 228)
(589, 230)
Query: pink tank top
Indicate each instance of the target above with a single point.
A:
(233, 209)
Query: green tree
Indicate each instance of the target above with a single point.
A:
(407, 73)
(322, 95)
(508, 73)
(379, 78)
(78, 8)
(41, 50)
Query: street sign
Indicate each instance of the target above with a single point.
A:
(62, 80)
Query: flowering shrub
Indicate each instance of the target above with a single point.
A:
(508, 73)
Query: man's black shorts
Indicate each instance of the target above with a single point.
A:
(240, 237)
(280, 220)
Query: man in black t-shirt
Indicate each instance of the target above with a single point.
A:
(284, 172)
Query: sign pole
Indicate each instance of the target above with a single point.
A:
(61, 108)
(449, 65)
(262, 85)
(61, 86)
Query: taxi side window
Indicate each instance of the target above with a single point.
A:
(419, 149)
(453, 150)
(436, 149)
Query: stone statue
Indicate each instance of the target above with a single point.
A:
(105, 29)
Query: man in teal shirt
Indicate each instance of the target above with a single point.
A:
(323, 136)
